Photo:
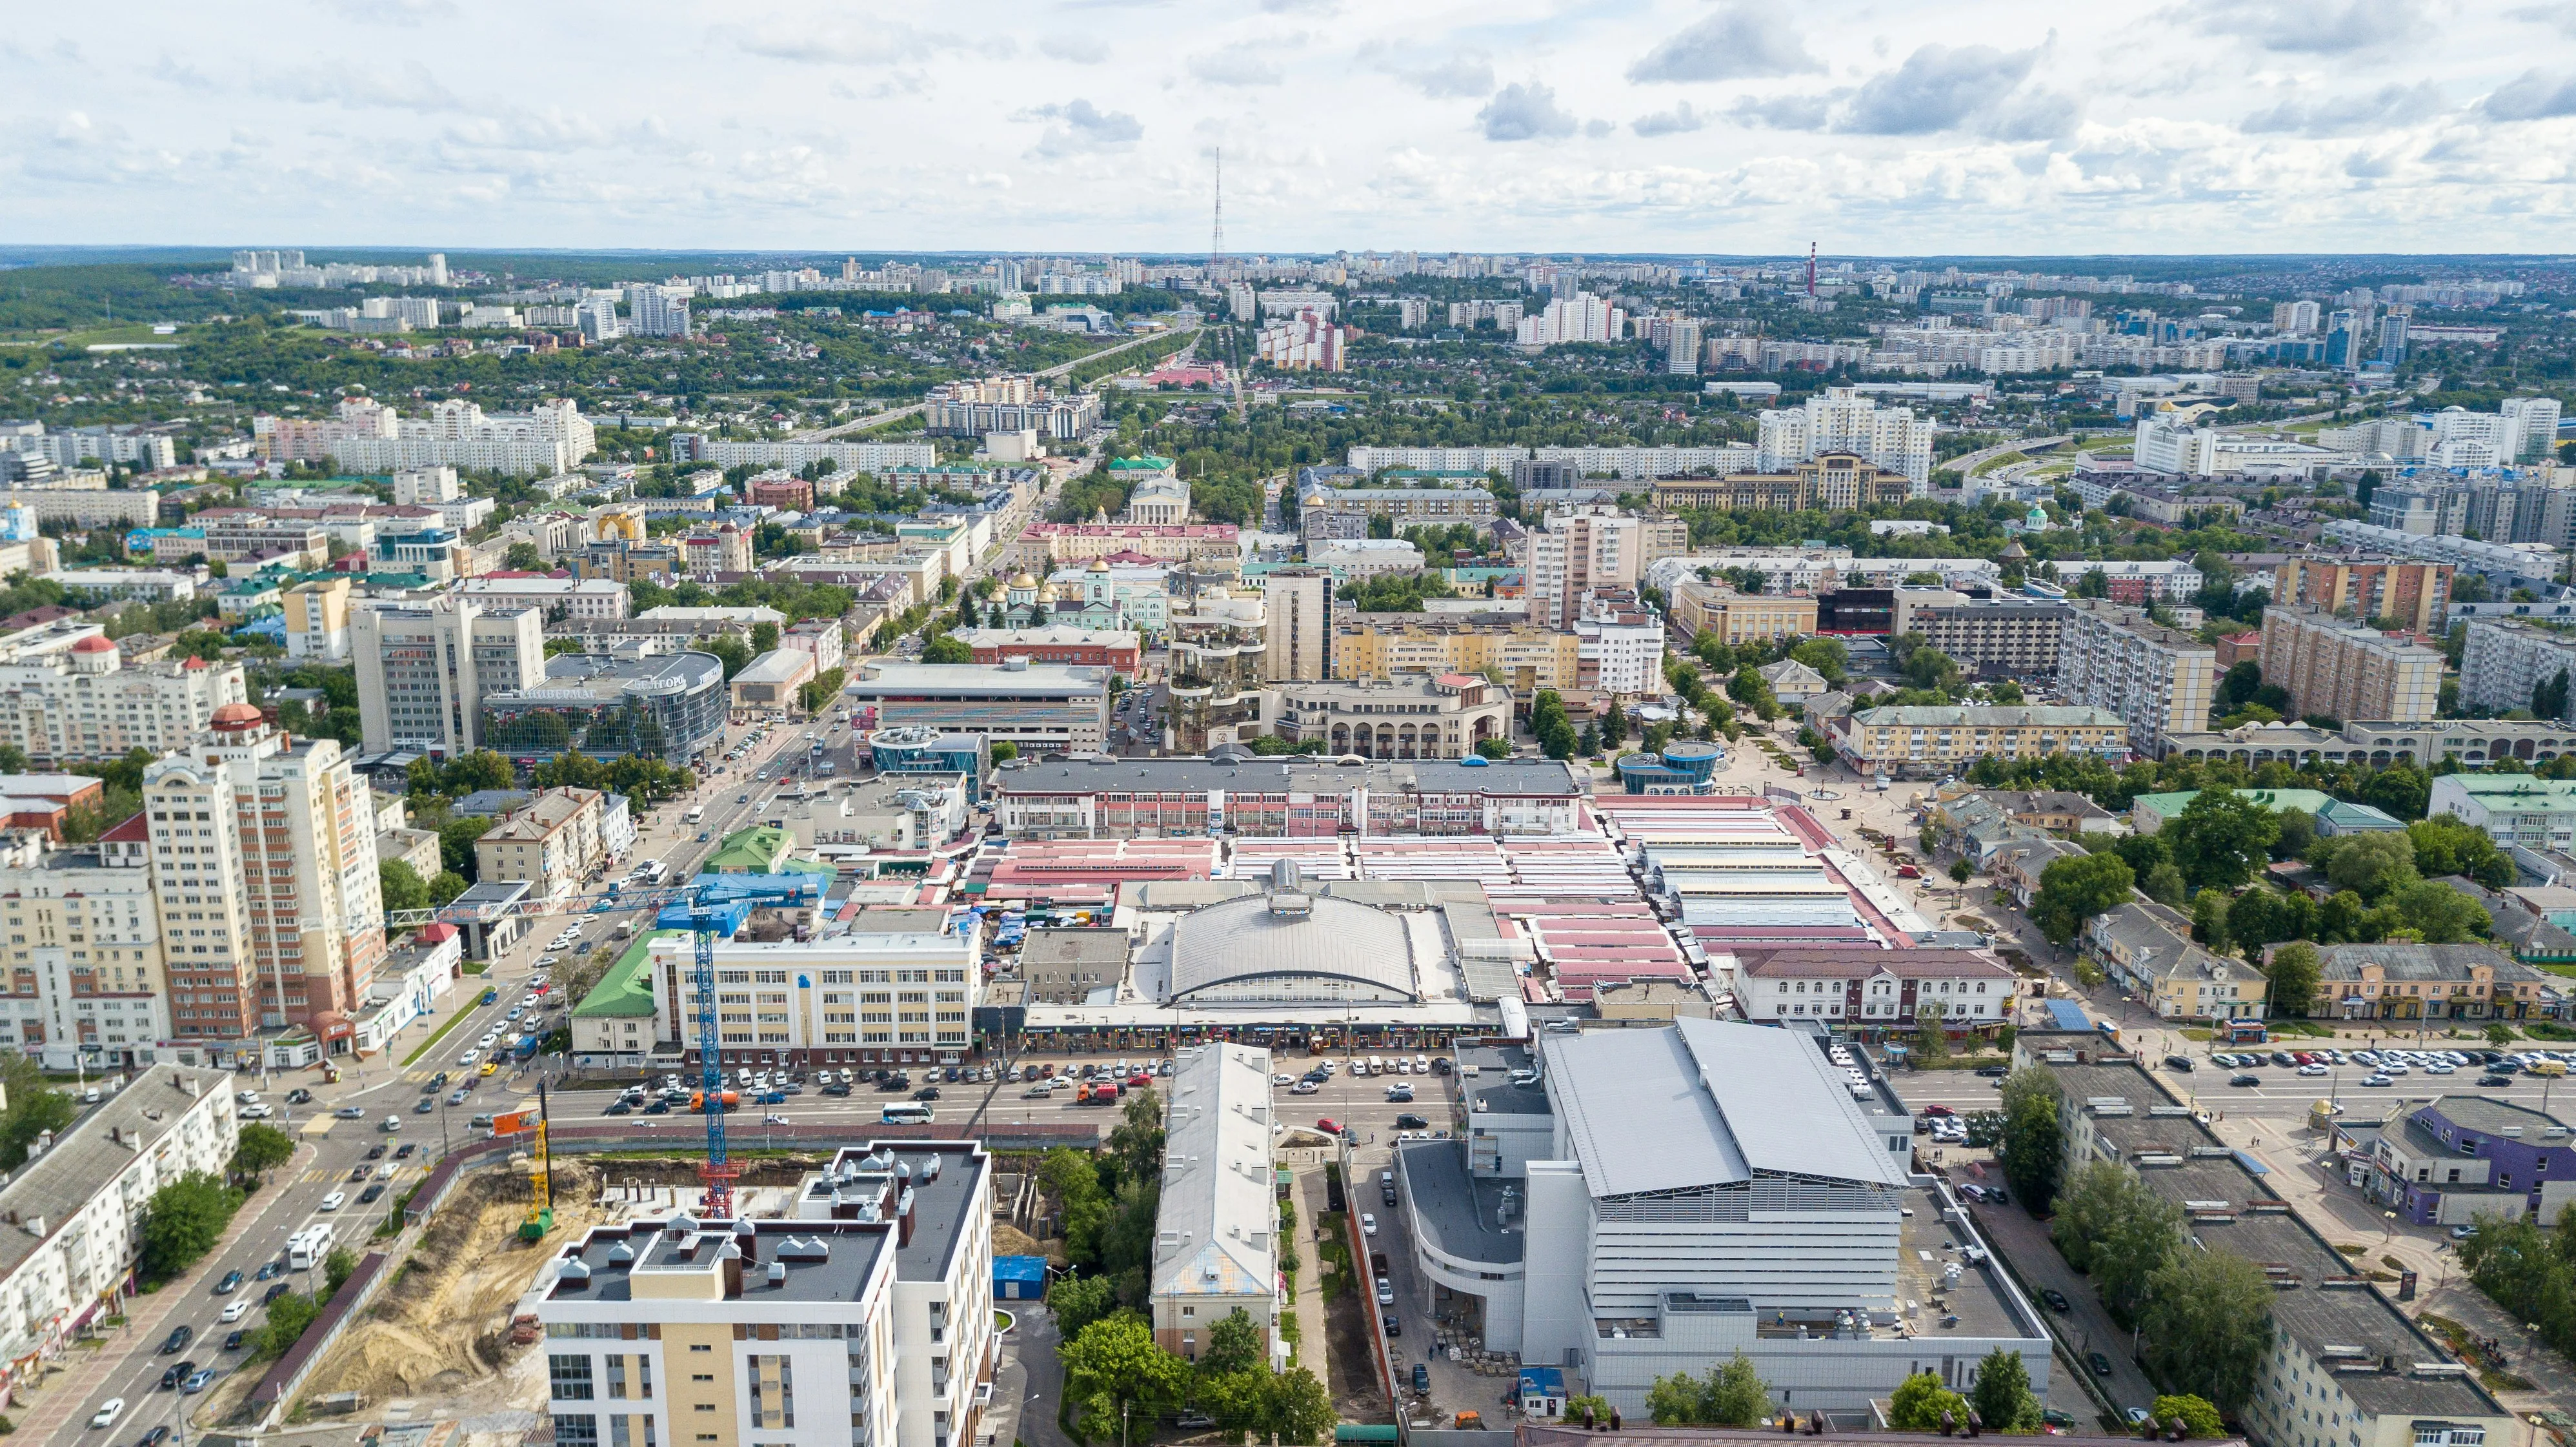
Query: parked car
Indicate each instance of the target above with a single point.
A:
(2056, 1299)
(177, 1341)
(2101, 1364)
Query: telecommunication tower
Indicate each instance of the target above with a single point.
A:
(1216, 232)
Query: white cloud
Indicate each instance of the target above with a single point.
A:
(2318, 27)
(1241, 64)
(2533, 96)
(1467, 76)
(1524, 112)
(1669, 123)
(2345, 114)
(1080, 49)
(1744, 40)
(1085, 128)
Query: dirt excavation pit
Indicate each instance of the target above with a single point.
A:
(441, 1329)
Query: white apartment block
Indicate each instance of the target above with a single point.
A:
(1619, 645)
(63, 700)
(1436, 459)
(2505, 661)
(1842, 420)
(264, 863)
(1581, 317)
(1577, 551)
(556, 598)
(1648, 463)
(426, 486)
(845, 457)
(2158, 680)
(855, 998)
(862, 1319)
(655, 310)
(85, 965)
(423, 671)
(78, 1203)
(457, 433)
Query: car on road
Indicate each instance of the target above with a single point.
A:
(1937, 1111)
(2493, 1082)
(1304, 1087)
(457, 1096)
(2376, 1079)
(153, 1438)
(1394, 1325)
(1385, 1292)
(108, 1412)
(299, 1096)
(197, 1382)
(425, 1107)
(267, 1270)
(351, 1112)
(177, 1373)
(618, 1107)
(2240, 1079)
(2317, 1069)
(177, 1341)
(1327, 1126)
(1421, 1377)
(275, 1290)
(1368, 1224)
(231, 1283)
(2178, 1062)
(233, 1311)
(1994, 1072)
(927, 1092)
(233, 1339)
(255, 1112)
(2100, 1364)
(368, 1196)
(1410, 1121)
(2056, 1300)
(333, 1201)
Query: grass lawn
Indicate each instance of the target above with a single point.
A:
(440, 1033)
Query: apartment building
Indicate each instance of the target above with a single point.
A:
(77, 1207)
(551, 596)
(2401, 980)
(1043, 708)
(863, 1316)
(67, 694)
(2147, 948)
(1406, 507)
(1835, 481)
(1869, 988)
(2414, 596)
(423, 672)
(1699, 607)
(317, 621)
(2347, 670)
(2505, 661)
(86, 984)
(2524, 809)
(2136, 583)
(1298, 604)
(2345, 1364)
(1285, 798)
(1921, 742)
(2158, 680)
(553, 843)
(1529, 657)
(1842, 420)
(264, 863)
(2008, 637)
(1043, 546)
(1618, 644)
(1412, 717)
(1216, 1226)
(1577, 551)
(854, 998)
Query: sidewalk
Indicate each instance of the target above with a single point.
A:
(1311, 1345)
(62, 1398)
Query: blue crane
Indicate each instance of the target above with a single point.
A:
(712, 906)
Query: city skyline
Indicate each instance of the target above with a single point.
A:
(1742, 127)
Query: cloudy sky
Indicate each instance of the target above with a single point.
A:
(1733, 126)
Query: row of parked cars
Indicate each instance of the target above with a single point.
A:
(2387, 1063)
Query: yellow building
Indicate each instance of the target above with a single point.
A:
(1922, 742)
(317, 621)
(1524, 655)
(1839, 481)
(1737, 617)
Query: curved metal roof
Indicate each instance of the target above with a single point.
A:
(1323, 939)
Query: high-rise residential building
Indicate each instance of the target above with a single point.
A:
(1581, 317)
(2531, 427)
(2503, 662)
(2159, 680)
(68, 694)
(2347, 670)
(264, 864)
(1681, 349)
(1576, 551)
(423, 671)
(655, 310)
(2294, 318)
(1308, 341)
(864, 1316)
(317, 621)
(2416, 596)
(552, 842)
(1842, 420)
(1297, 604)
(366, 436)
(2009, 637)
(86, 982)
(1619, 643)
(1835, 481)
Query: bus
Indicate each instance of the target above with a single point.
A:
(697, 815)
(307, 1248)
(911, 1112)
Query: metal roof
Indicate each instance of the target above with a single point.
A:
(1245, 939)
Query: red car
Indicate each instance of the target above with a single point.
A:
(1327, 1126)
(1908, 871)
(1938, 1110)
(1139, 1080)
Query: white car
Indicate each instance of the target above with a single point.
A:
(109, 1412)
(332, 1202)
(1368, 1224)
(489, 1036)
(255, 1112)
(1283, 1080)
(234, 1311)
(468, 1058)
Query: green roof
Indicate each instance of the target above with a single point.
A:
(2527, 790)
(1147, 463)
(758, 850)
(624, 990)
(2306, 801)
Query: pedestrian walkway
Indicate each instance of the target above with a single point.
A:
(61, 1398)
(1312, 1346)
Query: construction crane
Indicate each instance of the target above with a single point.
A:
(541, 1196)
(712, 906)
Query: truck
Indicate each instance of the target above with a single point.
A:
(1104, 1094)
(697, 815)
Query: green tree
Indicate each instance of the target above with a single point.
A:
(288, 1316)
(2119, 1231)
(2294, 973)
(260, 1149)
(2075, 889)
(2298, 831)
(731, 651)
(2434, 913)
(1004, 751)
(764, 637)
(2372, 865)
(2165, 885)
(2207, 1325)
(337, 1268)
(523, 558)
(2549, 698)
(2199, 1416)
(1233, 1345)
(34, 1108)
(446, 886)
(2221, 838)
(1931, 1041)
(947, 649)
(1961, 871)
(1114, 1368)
(181, 1223)
(2002, 1394)
(401, 885)
(1078, 1301)
(1731, 1394)
(1296, 1406)
(1071, 1181)
(2444, 845)
(2209, 919)
(1919, 1403)
(456, 843)
(2499, 1034)
(1137, 1140)
(2034, 1142)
